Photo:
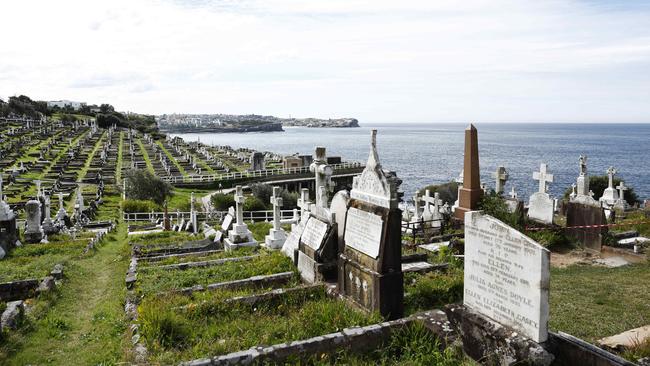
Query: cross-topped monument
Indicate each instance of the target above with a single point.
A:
(277, 236)
(621, 203)
(610, 195)
(541, 206)
(239, 235)
(501, 177)
(543, 176)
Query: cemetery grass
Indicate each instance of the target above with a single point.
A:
(594, 302)
(197, 258)
(180, 200)
(171, 158)
(85, 323)
(37, 260)
(161, 238)
(412, 345)
(158, 280)
(216, 328)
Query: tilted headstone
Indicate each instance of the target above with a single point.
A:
(370, 265)
(239, 235)
(507, 276)
(277, 236)
(541, 206)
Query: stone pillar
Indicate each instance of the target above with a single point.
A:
(323, 173)
(471, 193)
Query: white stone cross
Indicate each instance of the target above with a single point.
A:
(501, 176)
(303, 201)
(610, 173)
(513, 194)
(239, 203)
(543, 177)
(416, 202)
(276, 201)
(435, 200)
(621, 189)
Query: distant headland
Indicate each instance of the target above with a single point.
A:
(217, 123)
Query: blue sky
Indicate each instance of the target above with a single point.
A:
(376, 60)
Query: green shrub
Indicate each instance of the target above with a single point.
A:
(222, 201)
(141, 184)
(495, 206)
(551, 239)
(139, 206)
(254, 204)
(262, 191)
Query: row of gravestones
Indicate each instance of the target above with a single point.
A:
(355, 240)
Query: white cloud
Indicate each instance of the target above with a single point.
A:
(377, 60)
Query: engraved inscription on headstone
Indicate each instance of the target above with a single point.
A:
(314, 233)
(363, 231)
(506, 276)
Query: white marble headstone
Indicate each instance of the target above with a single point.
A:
(507, 276)
(363, 231)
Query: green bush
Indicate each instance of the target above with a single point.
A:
(493, 205)
(262, 191)
(222, 201)
(289, 200)
(163, 326)
(254, 204)
(139, 206)
(141, 184)
(551, 239)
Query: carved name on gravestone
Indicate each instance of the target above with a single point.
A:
(314, 233)
(506, 276)
(363, 231)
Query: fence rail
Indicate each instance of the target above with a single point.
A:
(286, 216)
(252, 174)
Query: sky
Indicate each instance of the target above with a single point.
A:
(375, 60)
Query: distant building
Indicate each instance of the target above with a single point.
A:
(64, 103)
(292, 162)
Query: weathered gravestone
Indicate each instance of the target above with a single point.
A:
(507, 276)
(587, 224)
(33, 229)
(290, 246)
(541, 206)
(370, 265)
(318, 246)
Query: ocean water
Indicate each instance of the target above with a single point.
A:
(424, 154)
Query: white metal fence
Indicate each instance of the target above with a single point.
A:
(252, 174)
(285, 215)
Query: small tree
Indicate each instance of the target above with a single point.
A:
(262, 191)
(254, 204)
(222, 201)
(143, 185)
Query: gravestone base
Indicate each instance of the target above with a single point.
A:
(34, 237)
(275, 239)
(371, 290)
(239, 237)
(312, 271)
(492, 343)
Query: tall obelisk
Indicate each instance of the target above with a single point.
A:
(471, 192)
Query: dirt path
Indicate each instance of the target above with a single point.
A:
(86, 324)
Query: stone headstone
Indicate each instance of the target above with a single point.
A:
(541, 206)
(471, 192)
(370, 265)
(586, 223)
(33, 229)
(583, 194)
(507, 276)
(610, 194)
(500, 177)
